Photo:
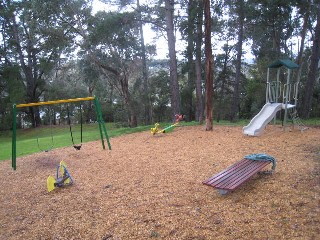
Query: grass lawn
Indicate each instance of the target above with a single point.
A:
(45, 138)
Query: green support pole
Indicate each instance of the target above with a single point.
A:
(14, 137)
(101, 124)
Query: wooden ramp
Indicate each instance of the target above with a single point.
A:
(234, 176)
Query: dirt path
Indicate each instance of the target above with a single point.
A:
(150, 187)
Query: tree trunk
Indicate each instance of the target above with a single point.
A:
(303, 34)
(236, 100)
(132, 120)
(146, 97)
(303, 37)
(190, 52)
(174, 85)
(209, 65)
(123, 86)
(199, 97)
(223, 80)
(307, 99)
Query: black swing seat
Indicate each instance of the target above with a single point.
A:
(77, 147)
(237, 174)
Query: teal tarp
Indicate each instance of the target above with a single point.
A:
(262, 157)
(284, 62)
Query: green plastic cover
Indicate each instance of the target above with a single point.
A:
(284, 62)
(262, 157)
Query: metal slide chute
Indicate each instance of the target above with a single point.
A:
(267, 113)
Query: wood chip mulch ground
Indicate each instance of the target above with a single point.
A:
(150, 187)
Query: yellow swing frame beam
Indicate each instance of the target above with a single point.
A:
(54, 102)
(102, 126)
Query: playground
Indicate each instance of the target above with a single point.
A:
(150, 187)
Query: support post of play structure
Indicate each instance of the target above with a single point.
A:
(297, 86)
(277, 91)
(14, 136)
(286, 99)
(268, 86)
(277, 85)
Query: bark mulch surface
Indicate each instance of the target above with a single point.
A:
(150, 187)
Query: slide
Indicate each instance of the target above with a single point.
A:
(267, 113)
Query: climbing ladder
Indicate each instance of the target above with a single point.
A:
(297, 123)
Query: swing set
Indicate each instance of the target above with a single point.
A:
(102, 127)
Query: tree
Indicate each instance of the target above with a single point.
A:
(35, 38)
(198, 44)
(187, 31)
(223, 84)
(209, 65)
(140, 9)
(146, 98)
(174, 85)
(236, 94)
(313, 68)
(270, 26)
(160, 95)
(113, 45)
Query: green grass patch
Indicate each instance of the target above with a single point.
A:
(44, 138)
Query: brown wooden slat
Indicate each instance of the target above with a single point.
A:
(225, 172)
(224, 175)
(241, 176)
(235, 175)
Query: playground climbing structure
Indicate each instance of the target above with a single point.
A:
(279, 96)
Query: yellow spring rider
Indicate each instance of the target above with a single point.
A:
(63, 178)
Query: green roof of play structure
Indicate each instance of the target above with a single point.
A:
(284, 62)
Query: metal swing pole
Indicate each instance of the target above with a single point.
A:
(14, 137)
(102, 126)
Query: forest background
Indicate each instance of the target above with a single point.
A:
(63, 49)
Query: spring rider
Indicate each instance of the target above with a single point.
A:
(63, 178)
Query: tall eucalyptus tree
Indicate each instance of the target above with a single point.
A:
(313, 73)
(240, 38)
(174, 85)
(35, 38)
(209, 66)
(113, 44)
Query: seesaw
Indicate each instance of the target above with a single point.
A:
(63, 178)
(156, 129)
